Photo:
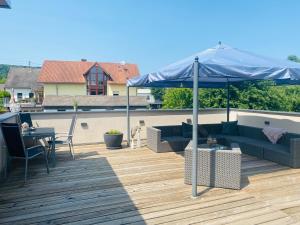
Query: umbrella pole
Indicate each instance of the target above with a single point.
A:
(228, 100)
(128, 117)
(195, 129)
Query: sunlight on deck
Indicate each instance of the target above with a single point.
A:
(143, 187)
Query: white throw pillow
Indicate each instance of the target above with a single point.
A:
(273, 133)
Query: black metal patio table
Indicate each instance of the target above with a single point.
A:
(44, 132)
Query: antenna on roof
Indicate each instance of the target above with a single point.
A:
(29, 65)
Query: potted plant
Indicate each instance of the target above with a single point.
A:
(75, 105)
(113, 139)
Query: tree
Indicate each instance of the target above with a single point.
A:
(178, 98)
(294, 58)
(4, 94)
(158, 93)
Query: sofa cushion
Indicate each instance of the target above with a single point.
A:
(248, 146)
(275, 147)
(256, 147)
(285, 139)
(252, 132)
(187, 130)
(202, 132)
(278, 155)
(230, 128)
(263, 144)
(169, 131)
(213, 129)
(172, 144)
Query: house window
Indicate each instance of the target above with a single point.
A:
(19, 95)
(31, 95)
(115, 93)
(96, 81)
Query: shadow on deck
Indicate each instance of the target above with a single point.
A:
(85, 190)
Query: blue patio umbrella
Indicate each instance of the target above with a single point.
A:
(216, 67)
(5, 4)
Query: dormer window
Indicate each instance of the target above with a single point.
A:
(96, 81)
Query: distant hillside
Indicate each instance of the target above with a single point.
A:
(4, 68)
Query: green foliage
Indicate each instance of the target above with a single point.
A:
(113, 132)
(178, 98)
(294, 58)
(3, 110)
(4, 68)
(158, 93)
(2, 80)
(4, 94)
(260, 96)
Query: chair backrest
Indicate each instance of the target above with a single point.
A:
(25, 117)
(13, 139)
(72, 126)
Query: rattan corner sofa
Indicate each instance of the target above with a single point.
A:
(251, 140)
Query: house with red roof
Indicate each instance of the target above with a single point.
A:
(76, 78)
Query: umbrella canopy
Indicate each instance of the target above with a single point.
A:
(220, 65)
(5, 4)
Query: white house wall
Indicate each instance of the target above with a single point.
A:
(25, 92)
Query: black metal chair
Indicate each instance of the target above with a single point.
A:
(26, 117)
(16, 148)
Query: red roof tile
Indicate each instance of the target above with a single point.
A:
(119, 72)
(73, 71)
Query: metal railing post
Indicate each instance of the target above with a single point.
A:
(195, 129)
(128, 117)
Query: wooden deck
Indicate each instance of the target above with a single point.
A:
(142, 187)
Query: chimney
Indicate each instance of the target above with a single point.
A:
(83, 60)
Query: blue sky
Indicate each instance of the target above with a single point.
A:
(151, 33)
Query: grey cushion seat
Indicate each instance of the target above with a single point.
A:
(257, 147)
(263, 144)
(177, 143)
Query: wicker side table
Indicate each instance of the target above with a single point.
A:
(216, 167)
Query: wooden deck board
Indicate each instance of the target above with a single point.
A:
(142, 187)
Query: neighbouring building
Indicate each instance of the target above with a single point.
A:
(153, 103)
(22, 84)
(92, 103)
(74, 78)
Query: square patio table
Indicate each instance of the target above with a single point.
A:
(218, 165)
(44, 132)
